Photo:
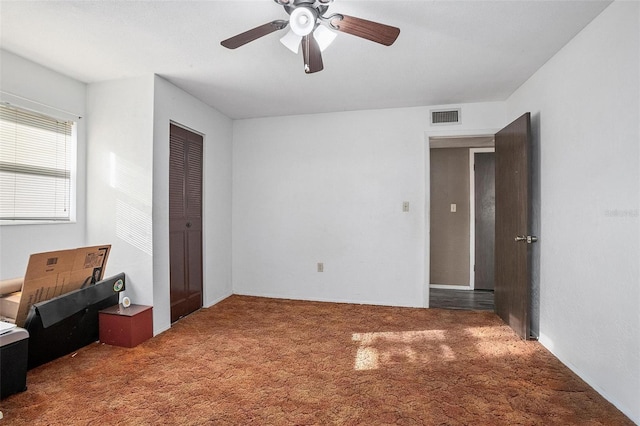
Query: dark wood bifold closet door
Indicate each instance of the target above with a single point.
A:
(513, 280)
(185, 221)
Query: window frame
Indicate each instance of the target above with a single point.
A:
(13, 101)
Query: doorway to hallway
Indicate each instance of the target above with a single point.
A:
(462, 193)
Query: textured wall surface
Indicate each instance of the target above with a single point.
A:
(585, 108)
(59, 96)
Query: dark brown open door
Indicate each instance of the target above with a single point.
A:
(185, 221)
(513, 238)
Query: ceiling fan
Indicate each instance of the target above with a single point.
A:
(310, 28)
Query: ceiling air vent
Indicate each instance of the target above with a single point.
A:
(445, 116)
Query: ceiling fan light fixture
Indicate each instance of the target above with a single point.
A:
(311, 28)
(324, 36)
(302, 21)
(291, 41)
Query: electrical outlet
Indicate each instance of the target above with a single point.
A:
(320, 267)
(405, 206)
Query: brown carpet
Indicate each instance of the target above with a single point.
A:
(263, 361)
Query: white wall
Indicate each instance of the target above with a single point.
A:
(173, 104)
(120, 180)
(123, 161)
(128, 162)
(585, 108)
(29, 85)
(329, 188)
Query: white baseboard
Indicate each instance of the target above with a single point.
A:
(323, 299)
(450, 287)
(626, 410)
(216, 301)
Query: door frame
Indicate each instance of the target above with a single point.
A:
(203, 294)
(440, 135)
(472, 212)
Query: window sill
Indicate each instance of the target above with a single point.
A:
(36, 222)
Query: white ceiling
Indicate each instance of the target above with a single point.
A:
(447, 52)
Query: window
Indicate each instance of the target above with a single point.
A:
(35, 166)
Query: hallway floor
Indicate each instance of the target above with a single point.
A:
(476, 300)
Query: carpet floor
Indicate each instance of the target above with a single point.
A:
(250, 360)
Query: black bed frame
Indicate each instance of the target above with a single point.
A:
(66, 323)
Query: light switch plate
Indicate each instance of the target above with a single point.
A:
(405, 206)
(454, 208)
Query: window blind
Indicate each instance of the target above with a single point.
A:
(35, 166)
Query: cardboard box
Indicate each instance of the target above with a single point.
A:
(54, 273)
(9, 306)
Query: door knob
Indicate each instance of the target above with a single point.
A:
(188, 225)
(527, 238)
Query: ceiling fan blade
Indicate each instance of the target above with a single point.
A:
(311, 55)
(253, 34)
(374, 31)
